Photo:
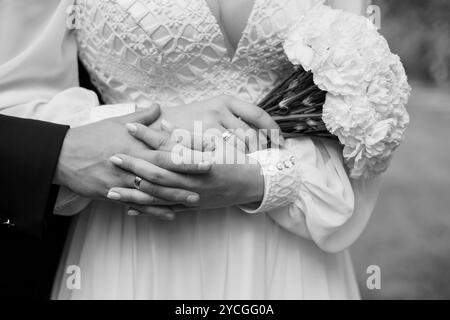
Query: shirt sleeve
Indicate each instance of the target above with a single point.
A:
(308, 192)
(39, 71)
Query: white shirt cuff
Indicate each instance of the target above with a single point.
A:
(111, 111)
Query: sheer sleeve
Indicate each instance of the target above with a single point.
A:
(308, 192)
(39, 73)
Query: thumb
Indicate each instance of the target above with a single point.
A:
(145, 117)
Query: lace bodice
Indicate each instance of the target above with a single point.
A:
(174, 52)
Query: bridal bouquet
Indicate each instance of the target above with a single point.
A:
(347, 85)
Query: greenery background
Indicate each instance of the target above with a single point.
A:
(409, 234)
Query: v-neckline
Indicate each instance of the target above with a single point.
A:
(230, 57)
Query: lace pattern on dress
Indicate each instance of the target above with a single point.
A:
(173, 51)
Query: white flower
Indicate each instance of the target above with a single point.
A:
(378, 132)
(347, 113)
(349, 61)
(389, 86)
(304, 44)
(367, 87)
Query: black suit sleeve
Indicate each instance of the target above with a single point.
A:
(29, 152)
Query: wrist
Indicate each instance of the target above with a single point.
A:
(254, 185)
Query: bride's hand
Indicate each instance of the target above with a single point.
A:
(223, 113)
(225, 185)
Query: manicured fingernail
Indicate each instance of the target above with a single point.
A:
(204, 165)
(165, 125)
(113, 195)
(169, 216)
(193, 198)
(133, 213)
(132, 128)
(116, 160)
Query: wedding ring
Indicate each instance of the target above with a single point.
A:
(137, 183)
(227, 135)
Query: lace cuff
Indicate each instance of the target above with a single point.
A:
(282, 179)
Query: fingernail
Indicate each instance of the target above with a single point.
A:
(133, 213)
(169, 216)
(116, 160)
(193, 198)
(132, 128)
(204, 165)
(113, 195)
(167, 126)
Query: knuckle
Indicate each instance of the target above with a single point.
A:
(150, 189)
(180, 196)
(161, 142)
(150, 199)
(166, 162)
(132, 166)
(105, 189)
(158, 158)
(113, 183)
(158, 176)
(146, 135)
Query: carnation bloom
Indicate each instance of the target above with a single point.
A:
(366, 84)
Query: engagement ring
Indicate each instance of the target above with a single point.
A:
(137, 182)
(227, 135)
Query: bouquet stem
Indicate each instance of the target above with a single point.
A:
(296, 105)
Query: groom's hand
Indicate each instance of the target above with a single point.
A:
(84, 166)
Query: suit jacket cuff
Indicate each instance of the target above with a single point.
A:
(29, 150)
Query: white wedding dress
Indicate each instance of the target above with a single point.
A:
(173, 52)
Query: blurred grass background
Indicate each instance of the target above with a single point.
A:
(409, 234)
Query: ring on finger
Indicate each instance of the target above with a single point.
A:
(137, 182)
(227, 135)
